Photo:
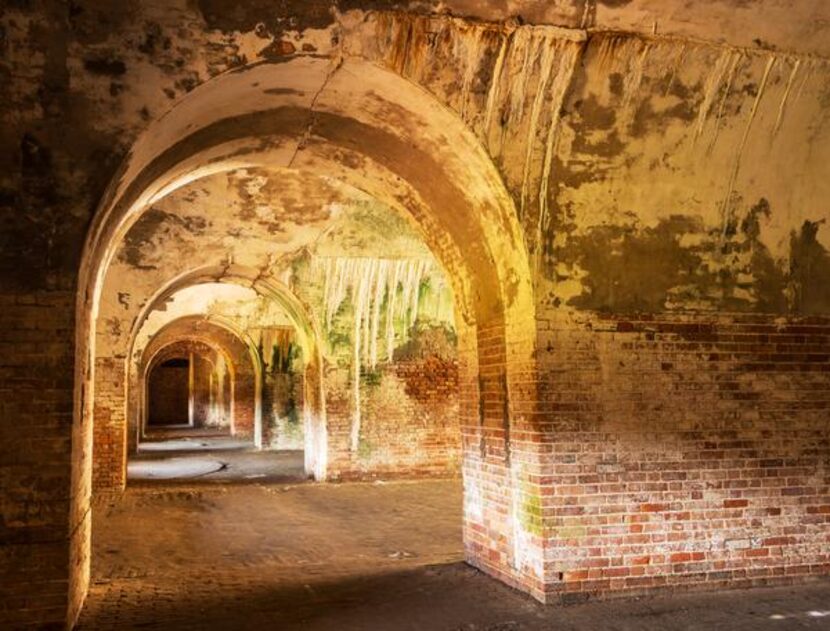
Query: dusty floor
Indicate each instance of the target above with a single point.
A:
(181, 454)
(352, 557)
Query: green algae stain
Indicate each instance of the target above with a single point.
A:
(531, 515)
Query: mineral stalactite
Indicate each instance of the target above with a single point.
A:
(377, 287)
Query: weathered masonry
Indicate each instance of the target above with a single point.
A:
(575, 252)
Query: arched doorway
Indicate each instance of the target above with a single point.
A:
(169, 392)
(375, 133)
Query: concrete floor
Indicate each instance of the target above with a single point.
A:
(181, 454)
(352, 557)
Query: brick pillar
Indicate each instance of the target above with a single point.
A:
(37, 528)
(314, 420)
(501, 458)
(109, 426)
(244, 396)
(201, 389)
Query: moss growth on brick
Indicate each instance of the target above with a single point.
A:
(364, 449)
(530, 515)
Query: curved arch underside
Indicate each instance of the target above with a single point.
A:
(383, 137)
(354, 121)
(303, 321)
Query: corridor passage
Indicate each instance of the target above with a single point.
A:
(362, 557)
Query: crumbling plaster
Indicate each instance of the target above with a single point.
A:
(633, 133)
(217, 222)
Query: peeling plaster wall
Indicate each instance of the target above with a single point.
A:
(709, 158)
(708, 196)
(675, 170)
(260, 220)
(397, 415)
(86, 83)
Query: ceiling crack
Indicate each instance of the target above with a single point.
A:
(337, 63)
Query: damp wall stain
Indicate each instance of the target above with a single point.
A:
(809, 270)
(149, 227)
(660, 152)
(624, 111)
(629, 270)
(680, 264)
(266, 17)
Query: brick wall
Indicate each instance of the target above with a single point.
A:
(201, 390)
(502, 464)
(244, 398)
(409, 420)
(685, 451)
(109, 426)
(36, 401)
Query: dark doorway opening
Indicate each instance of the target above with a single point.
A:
(169, 393)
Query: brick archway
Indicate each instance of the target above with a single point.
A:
(195, 385)
(386, 137)
(239, 356)
(118, 378)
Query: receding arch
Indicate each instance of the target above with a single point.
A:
(194, 352)
(300, 315)
(306, 325)
(381, 134)
(396, 128)
(113, 474)
(196, 329)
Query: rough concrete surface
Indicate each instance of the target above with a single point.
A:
(210, 457)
